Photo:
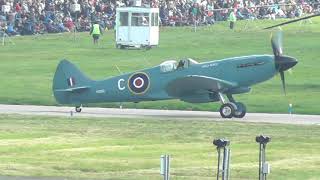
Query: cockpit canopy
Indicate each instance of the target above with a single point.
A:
(168, 66)
(172, 65)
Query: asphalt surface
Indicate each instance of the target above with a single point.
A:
(160, 114)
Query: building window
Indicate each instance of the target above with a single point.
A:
(154, 19)
(140, 19)
(123, 18)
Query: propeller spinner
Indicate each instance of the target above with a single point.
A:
(282, 62)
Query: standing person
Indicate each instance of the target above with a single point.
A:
(195, 13)
(232, 18)
(95, 31)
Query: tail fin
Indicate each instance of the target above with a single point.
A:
(68, 79)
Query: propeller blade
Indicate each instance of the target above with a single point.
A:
(282, 62)
(276, 43)
(283, 82)
(293, 21)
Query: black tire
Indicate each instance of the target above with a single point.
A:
(240, 111)
(119, 46)
(78, 109)
(227, 110)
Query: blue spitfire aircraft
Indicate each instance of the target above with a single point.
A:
(187, 80)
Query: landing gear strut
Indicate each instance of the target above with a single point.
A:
(78, 108)
(232, 108)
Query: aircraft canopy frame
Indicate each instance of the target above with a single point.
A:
(168, 66)
(173, 65)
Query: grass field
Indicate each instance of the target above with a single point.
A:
(131, 148)
(27, 68)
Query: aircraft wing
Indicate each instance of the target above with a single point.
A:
(196, 84)
(75, 89)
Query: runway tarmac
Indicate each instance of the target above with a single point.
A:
(160, 114)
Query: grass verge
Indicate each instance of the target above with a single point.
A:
(114, 148)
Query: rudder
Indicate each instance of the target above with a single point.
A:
(67, 79)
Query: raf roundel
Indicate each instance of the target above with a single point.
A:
(139, 83)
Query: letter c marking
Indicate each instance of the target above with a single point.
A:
(121, 88)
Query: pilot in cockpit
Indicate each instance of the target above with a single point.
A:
(181, 64)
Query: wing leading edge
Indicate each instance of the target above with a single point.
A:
(197, 84)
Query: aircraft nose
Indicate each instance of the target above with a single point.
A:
(284, 63)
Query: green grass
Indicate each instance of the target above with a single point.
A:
(27, 68)
(113, 148)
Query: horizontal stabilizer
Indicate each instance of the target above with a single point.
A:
(75, 89)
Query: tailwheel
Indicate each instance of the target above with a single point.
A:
(227, 110)
(241, 110)
(78, 109)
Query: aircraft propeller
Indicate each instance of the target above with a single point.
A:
(293, 21)
(282, 62)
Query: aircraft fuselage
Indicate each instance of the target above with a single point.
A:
(245, 71)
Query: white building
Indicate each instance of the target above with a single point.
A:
(137, 27)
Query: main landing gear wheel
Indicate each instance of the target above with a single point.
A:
(241, 110)
(227, 110)
(78, 109)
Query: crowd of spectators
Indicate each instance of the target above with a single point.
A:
(183, 12)
(28, 17)
(53, 16)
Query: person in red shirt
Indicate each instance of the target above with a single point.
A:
(69, 24)
(18, 7)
